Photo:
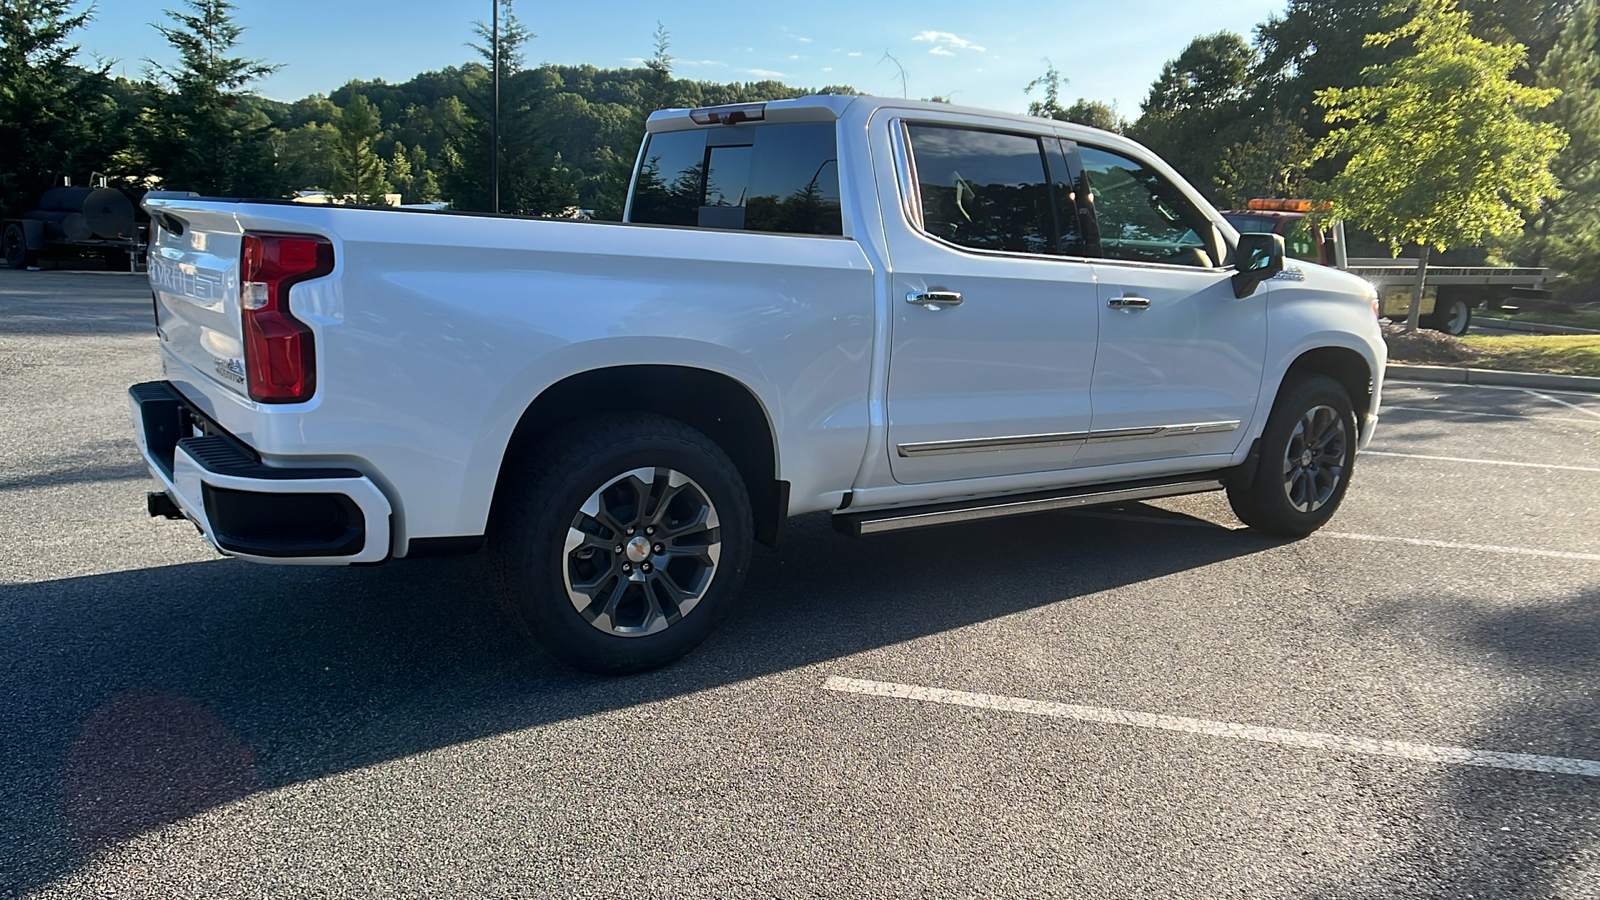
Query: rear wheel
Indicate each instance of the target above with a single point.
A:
(1306, 456)
(18, 256)
(621, 545)
(1452, 316)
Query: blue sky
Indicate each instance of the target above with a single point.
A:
(1108, 51)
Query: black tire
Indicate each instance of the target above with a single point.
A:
(1292, 494)
(1451, 316)
(18, 256)
(595, 461)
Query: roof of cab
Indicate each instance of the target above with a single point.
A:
(828, 107)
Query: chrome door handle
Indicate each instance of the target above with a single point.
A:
(934, 300)
(1128, 301)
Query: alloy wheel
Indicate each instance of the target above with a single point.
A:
(1316, 458)
(641, 552)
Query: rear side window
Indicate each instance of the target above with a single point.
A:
(986, 190)
(781, 178)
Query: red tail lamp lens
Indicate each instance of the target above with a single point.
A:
(279, 356)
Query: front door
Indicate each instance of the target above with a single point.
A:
(994, 329)
(1180, 358)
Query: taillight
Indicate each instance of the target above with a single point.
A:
(279, 359)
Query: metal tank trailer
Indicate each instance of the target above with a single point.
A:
(82, 221)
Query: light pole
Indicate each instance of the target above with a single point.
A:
(494, 109)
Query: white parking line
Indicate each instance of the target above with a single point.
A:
(1309, 740)
(1467, 412)
(1365, 538)
(1480, 387)
(1458, 545)
(1483, 462)
(1583, 409)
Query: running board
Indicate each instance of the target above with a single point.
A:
(857, 524)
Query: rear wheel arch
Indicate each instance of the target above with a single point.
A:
(717, 405)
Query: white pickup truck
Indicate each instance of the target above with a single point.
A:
(901, 314)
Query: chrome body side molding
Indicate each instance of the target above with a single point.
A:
(1037, 441)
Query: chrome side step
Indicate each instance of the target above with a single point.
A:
(857, 524)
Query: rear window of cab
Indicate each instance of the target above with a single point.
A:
(781, 178)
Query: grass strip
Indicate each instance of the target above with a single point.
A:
(1575, 354)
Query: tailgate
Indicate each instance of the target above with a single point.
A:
(194, 274)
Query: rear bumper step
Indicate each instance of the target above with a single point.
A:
(857, 524)
(326, 515)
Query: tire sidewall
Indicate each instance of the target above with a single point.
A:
(537, 566)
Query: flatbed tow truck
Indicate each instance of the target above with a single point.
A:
(1450, 293)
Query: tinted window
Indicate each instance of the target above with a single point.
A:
(669, 188)
(782, 178)
(1252, 224)
(983, 189)
(1142, 216)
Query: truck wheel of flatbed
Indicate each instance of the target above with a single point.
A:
(619, 541)
(18, 256)
(1307, 452)
(1452, 316)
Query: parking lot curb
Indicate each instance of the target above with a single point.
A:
(1461, 375)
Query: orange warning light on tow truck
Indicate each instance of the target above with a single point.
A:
(1304, 206)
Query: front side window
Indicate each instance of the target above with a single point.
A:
(779, 177)
(1142, 216)
(983, 189)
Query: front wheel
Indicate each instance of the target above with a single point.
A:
(1307, 452)
(621, 542)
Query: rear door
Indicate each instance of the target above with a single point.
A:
(194, 274)
(1180, 358)
(993, 326)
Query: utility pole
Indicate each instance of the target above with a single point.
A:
(494, 110)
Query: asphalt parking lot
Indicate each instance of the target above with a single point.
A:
(1142, 702)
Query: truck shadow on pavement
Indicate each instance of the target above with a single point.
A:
(138, 698)
(1485, 832)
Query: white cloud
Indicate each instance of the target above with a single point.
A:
(790, 34)
(766, 73)
(827, 68)
(854, 53)
(946, 39)
(699, 62)
(793, 56)
(940, 51)
(635, 60)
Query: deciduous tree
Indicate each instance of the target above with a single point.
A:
(1440, 145)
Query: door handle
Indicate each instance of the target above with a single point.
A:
(934, 300)
(1129, 301)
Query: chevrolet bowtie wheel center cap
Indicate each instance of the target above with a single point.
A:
(638, 549)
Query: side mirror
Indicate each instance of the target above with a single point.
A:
(1259, 256)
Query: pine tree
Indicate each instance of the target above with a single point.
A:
(533, 178)
(1565, 232)
(47, 104)
(196, 136)
(359, 174)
